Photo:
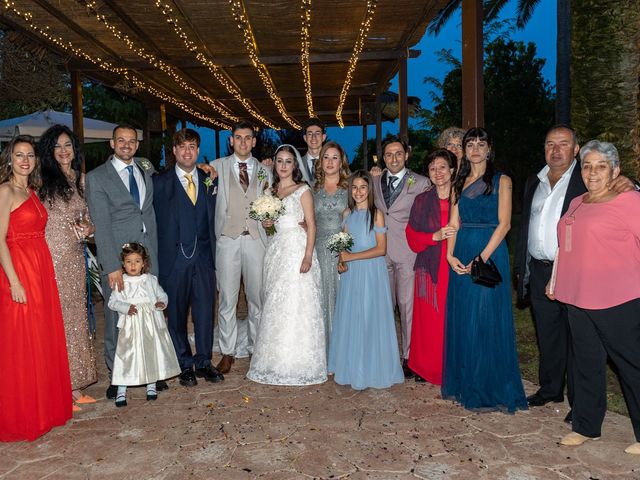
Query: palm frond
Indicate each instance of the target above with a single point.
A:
(443, 16)
(492, 9)
(525, 11)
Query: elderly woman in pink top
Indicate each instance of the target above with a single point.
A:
(598, 277)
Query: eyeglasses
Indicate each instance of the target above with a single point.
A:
(454, 145)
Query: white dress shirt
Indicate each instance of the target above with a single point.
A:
(400, 175)
(194, 176)
(121, 168)
(546, 210)
(236, 167)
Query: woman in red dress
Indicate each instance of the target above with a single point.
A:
(426, 230)
(36, 392)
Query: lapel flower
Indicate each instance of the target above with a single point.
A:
(146, 164)
(411, 180)
(208, 183)
(262, 175)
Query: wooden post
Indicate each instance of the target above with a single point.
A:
(378, 127)
(472, 75)
(365, 152)
(217, 143)
(403, 103)
(76, 108)
(183, 123)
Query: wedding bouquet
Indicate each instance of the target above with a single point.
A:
(339, 242)
(266, 207)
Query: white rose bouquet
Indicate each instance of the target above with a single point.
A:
(266, 207)
(339, 242)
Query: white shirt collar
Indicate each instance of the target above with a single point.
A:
(400, 175)
(543, 175)
(119, 165)
(181, 173)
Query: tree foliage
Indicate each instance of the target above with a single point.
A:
(519, 105)
(32, 78)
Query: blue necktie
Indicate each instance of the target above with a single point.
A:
(133, 186)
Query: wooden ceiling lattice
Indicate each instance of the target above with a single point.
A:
(216, 61)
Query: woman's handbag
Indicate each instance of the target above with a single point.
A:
(485, 273)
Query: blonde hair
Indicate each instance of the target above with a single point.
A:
(344, 171)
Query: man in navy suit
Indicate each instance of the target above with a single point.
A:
(185, 203)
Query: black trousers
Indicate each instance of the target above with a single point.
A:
(553, 334)
(614, 332)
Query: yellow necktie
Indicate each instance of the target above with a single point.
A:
(191, 188)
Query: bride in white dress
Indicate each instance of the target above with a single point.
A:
(290, 342)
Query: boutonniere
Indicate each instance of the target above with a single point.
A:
(146, 164)
(411, 180)
(209, 183)
(262, 175)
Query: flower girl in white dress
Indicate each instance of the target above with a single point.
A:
(144, 352)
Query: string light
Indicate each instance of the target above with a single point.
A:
(125, 73)
(157, 63)
(304, 54)
(237, 8)
(365, 26)
(167, 11)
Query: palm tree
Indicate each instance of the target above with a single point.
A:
(492, 9)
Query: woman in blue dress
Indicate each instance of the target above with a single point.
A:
(481, 368)
(364, 348)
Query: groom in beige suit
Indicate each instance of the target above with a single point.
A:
(394, 192)
(241, 241)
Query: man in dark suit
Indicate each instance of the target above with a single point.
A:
(547, 196)
(185, 204)
(120, 198)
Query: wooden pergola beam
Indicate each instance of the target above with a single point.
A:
(472, 65)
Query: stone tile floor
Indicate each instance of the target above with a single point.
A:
(241, 430)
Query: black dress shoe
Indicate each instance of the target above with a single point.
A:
(419, 379)
(408, 373)
(210, 374)
(569, 418)
(161, 386)
(187, 378)
(152, 396)
(537, 400)
(112, 391)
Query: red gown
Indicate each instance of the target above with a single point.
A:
(36, 388)
(427, 329)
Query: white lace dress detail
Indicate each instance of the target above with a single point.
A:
(290, 343)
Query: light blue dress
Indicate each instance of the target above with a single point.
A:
(328, 209)
(364, 348)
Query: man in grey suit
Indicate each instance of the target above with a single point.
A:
(394, 192)
(120, 198)
(241, 241)
(314, 135)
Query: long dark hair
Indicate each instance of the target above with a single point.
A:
(54, 182)
(371, 207)
(6, 170)
(297, 173)
(475, 133)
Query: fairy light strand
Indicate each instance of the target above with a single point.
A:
(238, 11)
(125, 73)
(191, 46)
(305, 43)
(169, 70)
(365, 26)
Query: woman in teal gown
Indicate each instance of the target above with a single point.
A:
(481, 368)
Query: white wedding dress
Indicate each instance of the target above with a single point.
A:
(290, 342)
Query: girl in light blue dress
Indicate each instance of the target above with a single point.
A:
(364, 348)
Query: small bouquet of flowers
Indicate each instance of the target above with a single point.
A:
(339, 242)
(266, 207)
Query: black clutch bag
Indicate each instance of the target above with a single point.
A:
(485, 273)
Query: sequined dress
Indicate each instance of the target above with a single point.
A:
(68, 262)
(36, 390)
(328, 209)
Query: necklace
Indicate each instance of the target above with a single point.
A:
(20, 187)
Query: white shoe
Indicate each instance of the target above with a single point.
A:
(574, 439)
(633, 449)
